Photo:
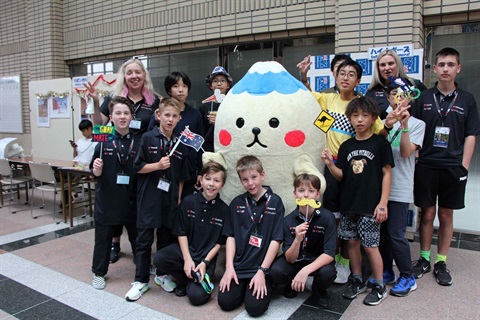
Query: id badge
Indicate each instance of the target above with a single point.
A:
(123, 178)
(255, 240)
(440, 139)
(135, 124)
(163, 185)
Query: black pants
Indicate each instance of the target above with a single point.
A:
(393, 244)
(143, 254)
(283, 272)
(232, 299)
(103, 244)
(169, 260)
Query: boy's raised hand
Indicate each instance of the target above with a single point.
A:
(91, 92)
(327, 157)
(258, 284)
(303, 66)
(164, 163)
(227, 278)
(300, 231)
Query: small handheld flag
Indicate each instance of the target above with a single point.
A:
(190, 139)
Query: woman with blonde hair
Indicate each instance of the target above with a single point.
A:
(134, 83)
(388, 63)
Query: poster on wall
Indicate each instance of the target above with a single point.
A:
(320, 75)
(59, 107)
(43, 119)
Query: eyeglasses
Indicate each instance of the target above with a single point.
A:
(217, 81)
(350, 75)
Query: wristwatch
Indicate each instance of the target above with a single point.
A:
(206, 262)
(265, 270)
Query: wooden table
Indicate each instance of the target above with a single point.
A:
(67, 170)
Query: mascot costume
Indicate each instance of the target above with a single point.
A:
(271, 115)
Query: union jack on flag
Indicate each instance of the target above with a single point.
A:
(191, 139)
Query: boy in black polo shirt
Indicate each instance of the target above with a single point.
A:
(452, 124)
(198, 225)
(160, 183)
(112, 164)
(254, 231)
(309, 235)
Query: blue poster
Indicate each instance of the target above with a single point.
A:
(366, 66)
(411, 64)
(322, 62)
(322, 83)
(362, 88)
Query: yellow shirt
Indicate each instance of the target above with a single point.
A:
(341, 129)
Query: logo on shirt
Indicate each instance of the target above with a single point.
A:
(216, 221)
(318, 229)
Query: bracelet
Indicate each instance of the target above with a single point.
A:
(405, 130)
(206, 262)
(387, 128)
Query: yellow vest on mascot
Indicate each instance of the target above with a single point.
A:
(271, 115)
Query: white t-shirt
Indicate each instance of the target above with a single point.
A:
(402, 174)
(85, 149)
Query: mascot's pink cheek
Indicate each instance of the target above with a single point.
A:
(225, 138)
(295, 138)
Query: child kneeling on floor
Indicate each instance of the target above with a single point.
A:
(309, 241)
(254, 230)
(198, 225)
(115, 194)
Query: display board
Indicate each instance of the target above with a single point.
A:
(11, 119)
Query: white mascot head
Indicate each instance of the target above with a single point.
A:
(271, 115)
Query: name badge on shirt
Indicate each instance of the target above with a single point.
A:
(255, 240)
(440, 139)
(163, 185)
(123, 178)
(135, 124)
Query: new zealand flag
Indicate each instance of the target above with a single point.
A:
(191, 139)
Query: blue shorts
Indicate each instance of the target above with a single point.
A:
(354, 227)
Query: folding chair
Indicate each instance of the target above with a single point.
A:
(8, 179)
(44, 174)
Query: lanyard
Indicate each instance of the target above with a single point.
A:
(119, 151)
(261, 215)
(136, 107)
(448, 109)
(395, 134)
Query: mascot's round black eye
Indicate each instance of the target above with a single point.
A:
(240, 122)
(274, 122)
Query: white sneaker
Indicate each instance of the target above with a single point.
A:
(136, 291)
(98, 282)
(342, 274)
(165, 282)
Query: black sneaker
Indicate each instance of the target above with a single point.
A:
(442, 274)
(114, 252)
(377, 295)
(181, 291)
(288, 292)
(323, 300)
(355, 287)
(421, 267)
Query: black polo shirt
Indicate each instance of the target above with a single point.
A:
(239, 225)
(321, 235)
(156, 207)
(141, 111)
(462, 119)
(201, 221)
(115, 203)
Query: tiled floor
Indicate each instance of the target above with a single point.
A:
(45, 274)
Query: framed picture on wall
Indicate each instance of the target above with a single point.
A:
(43, 118)
(60, 107)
